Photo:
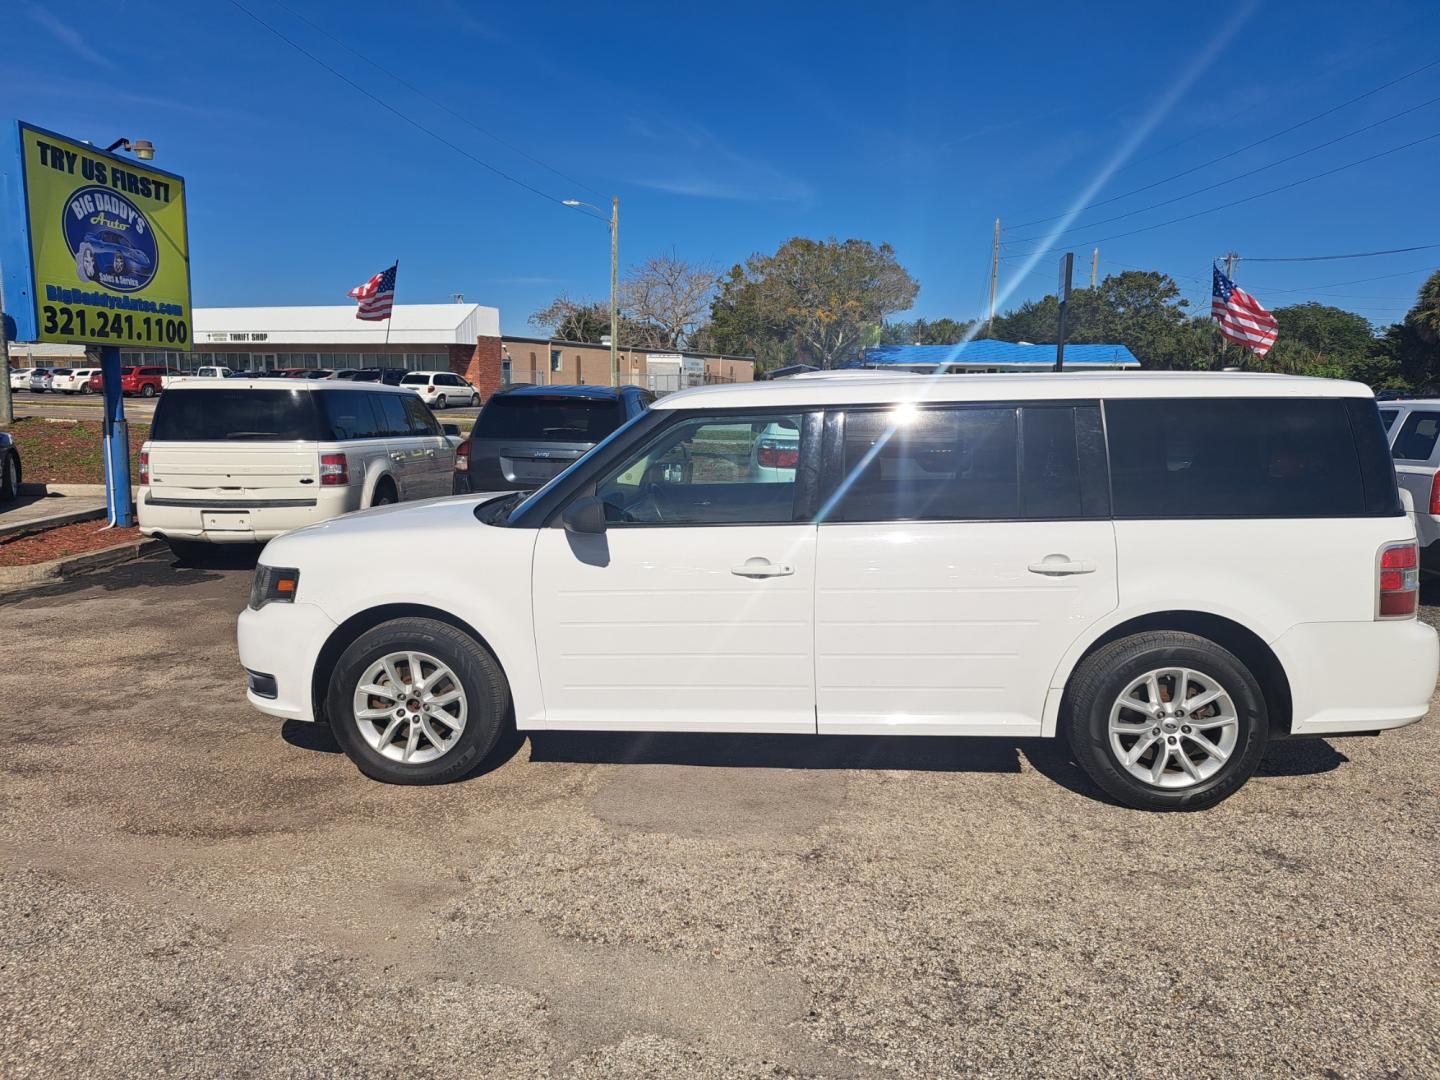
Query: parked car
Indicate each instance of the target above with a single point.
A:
(526, 435)
(20, 378)
(344, 374)
(1087, 555)
(10, 470)
(1413, 428)
(389, 376)
(212, 372)
(40, 379)
(96, 382)
(146, 380)
(309, 373)
(72, 380)
(440, 389)
(244, 460)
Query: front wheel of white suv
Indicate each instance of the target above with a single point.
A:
(1165, 720)
(416, 701)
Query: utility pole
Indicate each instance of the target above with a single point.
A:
(614, 313)
(1094, 266)
(994, 274)
(1230, 260)
(1067, 271)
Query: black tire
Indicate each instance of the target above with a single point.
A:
(384, 494)
(474, 401)
(486, 691)
(1106, 674)
(440, 401)
(148, 390)
(9, 477)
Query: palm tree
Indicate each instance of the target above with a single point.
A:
(1424, 317)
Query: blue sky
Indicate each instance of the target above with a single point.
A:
(726, 128)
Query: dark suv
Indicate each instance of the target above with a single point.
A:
(527, 435)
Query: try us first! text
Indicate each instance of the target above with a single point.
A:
(100, 172)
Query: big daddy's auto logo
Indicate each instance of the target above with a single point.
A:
(111, 240)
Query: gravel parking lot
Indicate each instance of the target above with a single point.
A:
(189, 889)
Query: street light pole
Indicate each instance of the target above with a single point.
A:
(614, 280)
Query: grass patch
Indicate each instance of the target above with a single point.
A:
(68, 451)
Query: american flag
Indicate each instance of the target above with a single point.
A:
(376, 296)
(1241, 317)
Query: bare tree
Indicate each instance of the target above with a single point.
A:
(667, 299)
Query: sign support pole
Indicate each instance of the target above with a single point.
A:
(116, 436)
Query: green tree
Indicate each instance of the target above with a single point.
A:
(921, 332)
(812, 300)
(1424, 317)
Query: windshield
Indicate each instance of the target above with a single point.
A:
(233, 415)
(520, 507)
(548, 418)
(414, 380)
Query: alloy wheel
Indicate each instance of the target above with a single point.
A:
(410, 707)
(1173, 727)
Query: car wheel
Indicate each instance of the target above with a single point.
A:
(9, 478)
(85, 263)
(117, 264)
(147, 390)
(1166, 721)
(474, 401)
(416, 701)
(86, 389)
(384, 495)
(439, 401)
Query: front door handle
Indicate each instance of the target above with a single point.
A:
(1060, 566)
(758, 568)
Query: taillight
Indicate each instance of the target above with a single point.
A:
(334, 470)
(1398, 581)
(771, 455)
(462, 457)
(1435, 494)
(144, 467)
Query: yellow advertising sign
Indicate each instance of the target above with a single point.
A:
(107, 251)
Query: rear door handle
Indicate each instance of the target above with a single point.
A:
(758, 568)
(1059, 566)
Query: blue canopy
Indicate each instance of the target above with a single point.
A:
(987, 353)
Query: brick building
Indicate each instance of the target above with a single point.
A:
(463, 338)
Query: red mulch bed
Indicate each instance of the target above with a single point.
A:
(67, 451)
(24, 549)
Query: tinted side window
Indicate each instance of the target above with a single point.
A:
(1233, 457)
(350, 414)
(421, 420)
(393, 419)
(936, 464)
(1416, 440)
(1387, 417)
(1377, 467)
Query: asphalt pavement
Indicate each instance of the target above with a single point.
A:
(191, 889)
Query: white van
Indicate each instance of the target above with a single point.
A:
(1168, 569)
(440, 389)
(243, 460)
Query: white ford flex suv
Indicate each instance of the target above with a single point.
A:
(1169, 570)
(232, 461)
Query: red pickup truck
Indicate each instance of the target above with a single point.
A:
(145, 381)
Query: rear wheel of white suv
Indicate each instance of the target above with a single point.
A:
(416, 701)
(1165, 720)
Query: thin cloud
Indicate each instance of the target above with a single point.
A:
(69, 37)
(687, 159)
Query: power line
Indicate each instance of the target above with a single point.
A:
(1252, 198)
(1360, 255)
(437, 103)
(1359, 281)
(1241, 150)
(392, 109)
(1232, 179)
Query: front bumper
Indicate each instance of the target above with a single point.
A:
(1358, 676)
(283, 641)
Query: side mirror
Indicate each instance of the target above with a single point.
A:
(585, 515)
(450, 429)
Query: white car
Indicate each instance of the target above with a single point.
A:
(20, 378)
(1169, 569)
(72, 380)
(441, 389)
(213, 373)
(237, 461)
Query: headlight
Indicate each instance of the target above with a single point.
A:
(273, 585)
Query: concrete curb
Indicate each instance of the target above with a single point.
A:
(62, 489)
(18, 577)
(54, 521)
